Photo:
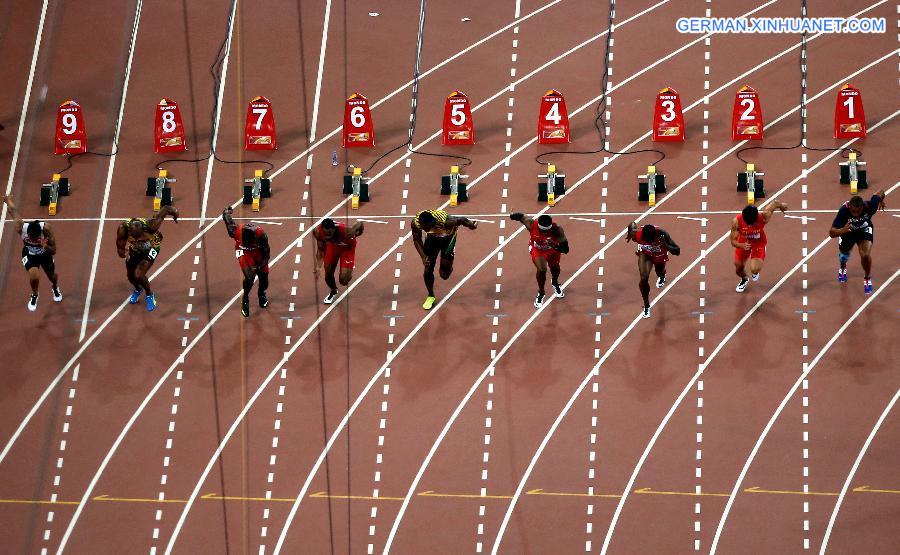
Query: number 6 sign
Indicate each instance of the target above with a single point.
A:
(168, 130)
(358, 128)
(259, 132)
(71, 138)
(668, 119)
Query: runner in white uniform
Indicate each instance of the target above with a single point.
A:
(38, 248)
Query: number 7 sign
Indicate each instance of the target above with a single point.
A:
(259, 131)
(358, 128)
(71, 137)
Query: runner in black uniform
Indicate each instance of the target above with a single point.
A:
(138, 241)
(440, 242)
(853, 224)
(39, 246)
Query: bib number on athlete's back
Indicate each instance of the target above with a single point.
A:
(238, 253)
(152, 253)
(24, 261)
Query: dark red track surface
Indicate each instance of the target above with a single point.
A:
(118, 452)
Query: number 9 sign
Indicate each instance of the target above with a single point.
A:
(358, 128)
(168, 130)
(71, 137)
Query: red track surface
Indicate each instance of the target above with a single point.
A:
(120, 451)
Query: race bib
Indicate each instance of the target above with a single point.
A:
(24, 261)
(238, 253)
(151, 254)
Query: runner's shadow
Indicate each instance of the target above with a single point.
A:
(650, 376)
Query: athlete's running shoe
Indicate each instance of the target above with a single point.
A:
(245, 306)
(263, 300)
(332, 295)
(660, 282)
(429, 302)
(32, 304)
(742, 285)
(57, 294)
(539, 300)
(558, 290)
(842, 275)
(754, 277)
(135, 296)
(646, 312)
(867, 285)
(151, 303)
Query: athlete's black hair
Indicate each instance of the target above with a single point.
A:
(248, 235)
(648, 233)
(328, 223)
(545, 220)
(857, 201)
(33, 229)
(426, 220)
(750, 214)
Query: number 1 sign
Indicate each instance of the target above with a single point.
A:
(668, 119)
(71, 137)
(553, 119)
(849, 116)
(358, 128)
(259, 131)
(167, 129)
(746, 117)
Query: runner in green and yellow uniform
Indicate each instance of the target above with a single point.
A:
(440, 241)
(138, 241)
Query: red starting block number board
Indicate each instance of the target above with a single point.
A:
(553, 119)
(168, 129)
(458, 126)
(849, 116)
(746, 118)
(71, 137)
(259, 131)
(358, 128)
(668, 119)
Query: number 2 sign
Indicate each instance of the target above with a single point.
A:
(553, 119)
(358, 128)
(71, 137)
(746, 117)
(168, 130)
(259, 131)
(668, 119)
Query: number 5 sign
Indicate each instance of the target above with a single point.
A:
(458, 126)
(553, 119)
(259, 132)
(358, 129)
(668, 119)
(849, 117)
(71, 138)
(168, 130)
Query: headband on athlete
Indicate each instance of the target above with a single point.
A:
(545, 222)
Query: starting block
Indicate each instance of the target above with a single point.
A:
(259, 187)
(853, 174)
(358, 187)
(451, 185)
(50, 192)
(750, 182)
(554, 185)
(157, 187)
(648, 192)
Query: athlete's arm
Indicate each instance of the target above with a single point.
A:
(121, 240)
(51, 239)
(319, 248)
(263, 242)
(355, 230)
(631, 232)
(670, 243)
(876, 202)
(14, 213)
(416, 232)
(527, 221)
(769, 210)
(563, 241)
(735, 237)
(157, 220)
(457, 221)
(230, 225)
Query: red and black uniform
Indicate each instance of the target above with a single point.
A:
(340, 248)
(543, 244)
(249, 256)
(755, 236)
(657, 250)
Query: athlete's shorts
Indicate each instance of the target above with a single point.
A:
(552, 256)
(335, 254)
(136, 255)
(656, 260)
(851, 238)
(43, 260)
(756, 251)
(444, 247)
(251, 259)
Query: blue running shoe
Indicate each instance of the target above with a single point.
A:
(135, 297)
(151, 303)
(867, 286)
(842, 275)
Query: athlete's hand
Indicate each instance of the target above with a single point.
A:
(745, 246)
(783, 207)
(676, 252)
(846, 228)
(517, 216)
(473, 225)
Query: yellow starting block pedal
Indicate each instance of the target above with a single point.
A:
(750, 181)
(854, 187)
(357, 187)
(256, 188)
(650, 185)
(552, 185)
(158, 188)
(50, 192)
(453, 185)
(853, 173)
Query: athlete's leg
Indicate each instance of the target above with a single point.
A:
(348, 259)
(34, 278)
(739, 268)
(140, 276)
(756, 265)
(865, 257)
(541, 274)
(249, 273)
(263, 281)
(428, 275)
(346, 276)
(644, 265)
(554, 275)
(660, 269)
(132, 279)
(329, 276)
(446, 267)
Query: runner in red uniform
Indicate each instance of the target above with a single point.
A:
(336, 243)
(653, 247)
(748, 237)
(546, 245)
(251, 247)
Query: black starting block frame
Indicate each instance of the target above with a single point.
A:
(451, 185)
(256, 188)
(158, 188)
(749, 181)
(553, 185)
(644, 189)
(50, 192)
(357, 187)
(851, 171)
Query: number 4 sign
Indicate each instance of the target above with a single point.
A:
(71, 138)
(849, 116)
(553, 119)
(668, 119)
(458, 126)
(358, 128)
(167, 128)
(259, 131)
(746, 118)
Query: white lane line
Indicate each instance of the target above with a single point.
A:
(374, 221)
(628, 487)
(804, 347)
(804, 218)
(853, 469)
(765, 432)
(25, 101)
(215, 136)
(63, 445)
(267, 222)
(319, 72)
(109, 174)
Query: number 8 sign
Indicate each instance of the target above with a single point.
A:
(168, 130)
(358, 128)
(71, 137)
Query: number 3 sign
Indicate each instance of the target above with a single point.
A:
(358, 128)
(259, 132)
(71, 138)
(168, 130)
(668, 119)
